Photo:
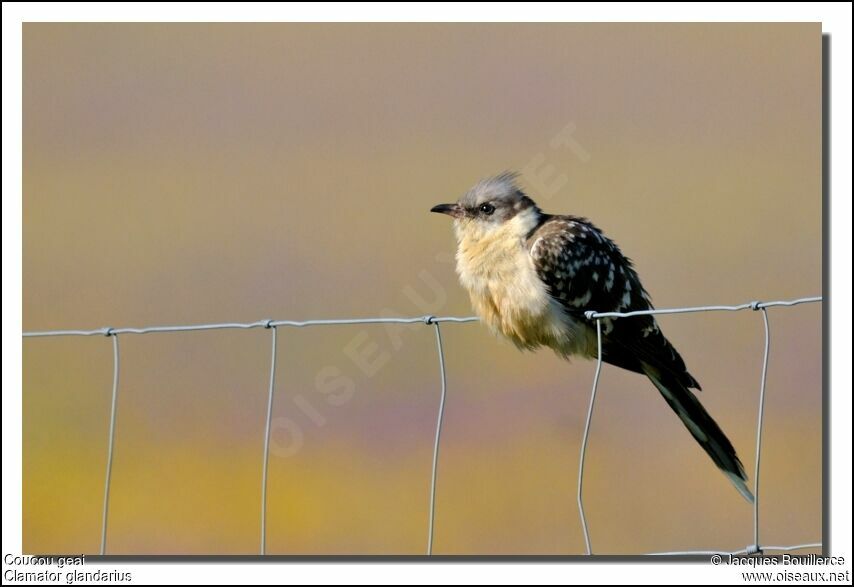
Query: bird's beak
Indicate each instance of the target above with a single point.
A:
(453, 210)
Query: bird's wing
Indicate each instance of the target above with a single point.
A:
(585, 270)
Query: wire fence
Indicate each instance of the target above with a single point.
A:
(435, 322)
(755, 547)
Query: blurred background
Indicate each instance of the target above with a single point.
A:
(185, 173)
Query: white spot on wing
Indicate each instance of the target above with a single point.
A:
(627, 297)
(583, 300)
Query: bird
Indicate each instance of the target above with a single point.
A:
(531, 276)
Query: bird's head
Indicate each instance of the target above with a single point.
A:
(493, 204)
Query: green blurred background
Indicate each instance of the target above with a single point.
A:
(183, 173)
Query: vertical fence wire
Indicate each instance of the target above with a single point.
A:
(439, 419)
(759, 422)
(111, 442)
(267, 442)
(581, 458)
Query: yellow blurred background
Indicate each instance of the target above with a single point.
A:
(185, 173)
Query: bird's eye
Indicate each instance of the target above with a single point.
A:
(487, 208)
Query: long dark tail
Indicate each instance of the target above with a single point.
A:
(701, 425)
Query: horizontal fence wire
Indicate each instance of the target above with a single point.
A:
(435, 321)
(109, 331)
(738, 552)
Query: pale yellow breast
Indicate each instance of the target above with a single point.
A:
(508, 295)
